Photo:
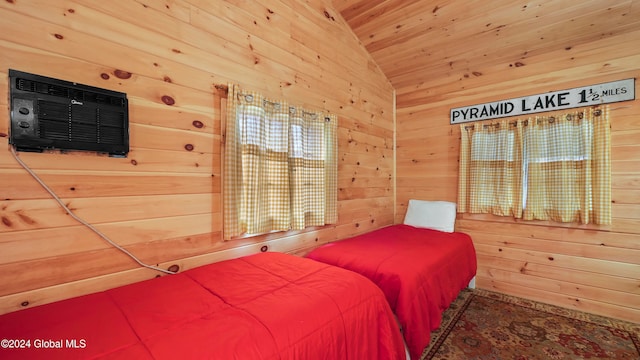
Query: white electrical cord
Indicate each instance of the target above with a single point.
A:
(103, 236)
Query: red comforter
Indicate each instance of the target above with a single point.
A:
(264, 306)
(420, 271)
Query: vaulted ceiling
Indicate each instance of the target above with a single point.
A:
(421, 42)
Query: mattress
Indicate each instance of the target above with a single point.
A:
(264, 306)
(420, 271)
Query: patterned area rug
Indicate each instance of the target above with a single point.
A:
(481, 324)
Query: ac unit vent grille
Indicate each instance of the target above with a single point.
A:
(110, 128)
(78, 123)
(67, 92)
(53, 121)
(54, 130)
(49, 113)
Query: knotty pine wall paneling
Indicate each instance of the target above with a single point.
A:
(589, 268)
(163, 202)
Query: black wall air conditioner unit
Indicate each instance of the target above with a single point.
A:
(49, 113)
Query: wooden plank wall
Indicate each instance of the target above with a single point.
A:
(589, 268)
(162, 202)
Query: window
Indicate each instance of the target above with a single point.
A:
(544, 168)
(280, 168)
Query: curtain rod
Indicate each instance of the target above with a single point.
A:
(550, 119)
(223, 90)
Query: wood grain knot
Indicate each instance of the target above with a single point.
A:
(121, 74)
(25, 218)
(174, 268)
(329, 16)
(188, 147)
(264, 248)
(198, 124)
(168, 100)
(24, 303)
(105, 76)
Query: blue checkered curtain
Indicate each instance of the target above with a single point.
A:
(280, 168)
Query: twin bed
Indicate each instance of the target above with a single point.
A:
(264, 306)
(268, 305)
(421, 271)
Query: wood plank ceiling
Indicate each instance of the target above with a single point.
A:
(420, 43)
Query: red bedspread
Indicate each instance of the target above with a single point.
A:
(420, 271)
(264, 306)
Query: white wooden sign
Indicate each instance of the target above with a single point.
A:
(615, 91)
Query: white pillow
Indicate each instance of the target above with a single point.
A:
(438, 215)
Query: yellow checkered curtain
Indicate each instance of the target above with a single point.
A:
(490, 178)
(568, 163)
(308, 167)
(232, 168)
(278, 168)
(331, 168)
(554, 168)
